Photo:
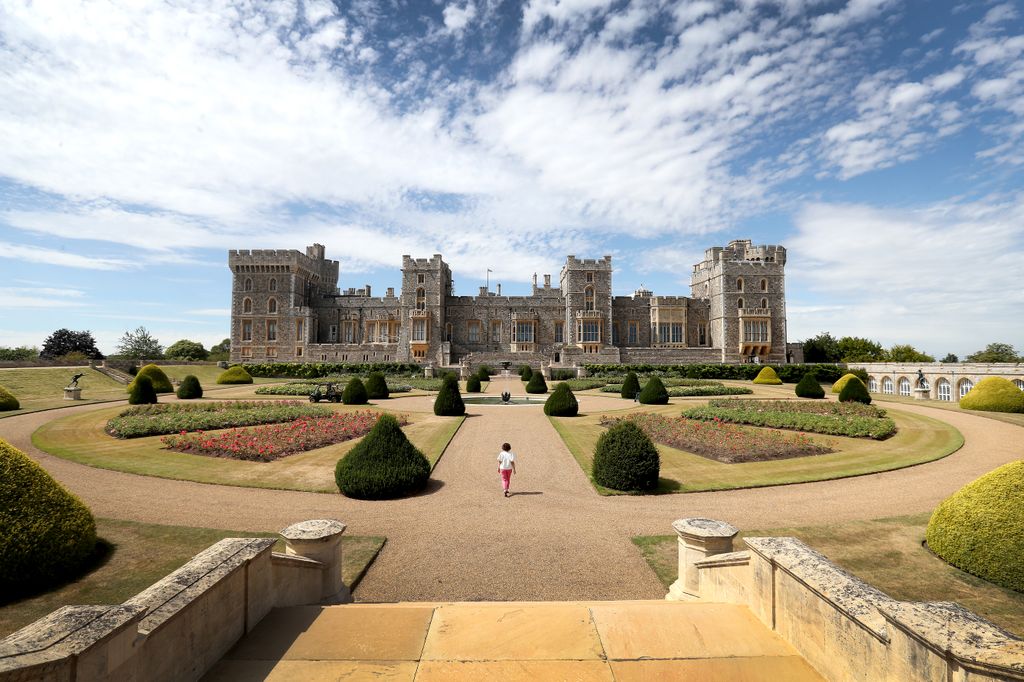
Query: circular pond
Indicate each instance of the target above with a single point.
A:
(495, 400)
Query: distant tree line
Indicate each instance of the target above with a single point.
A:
(68, 346)
(826, 348)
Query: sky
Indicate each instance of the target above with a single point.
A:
(880, 141)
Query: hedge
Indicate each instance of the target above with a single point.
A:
(562, 402)
(630, 386)
(48, 534)
(561, 373)
(140, 391)
(855, 391)
(980, 528)
(768, 377)
(852, 426)
(377, 386)
(484, 373)
(7, 400)
(536, 384)
(994, 394)
(809, 387)
(626, 459)
(161, 384)
(236, 374)
(190, 388)
(473, 384)
(654, 393)
(448, 402)
(837, 387)
(355, 392)
(316, 370)
(383, 465)
(789, 374)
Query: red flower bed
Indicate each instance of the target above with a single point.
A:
(722, 441)
(272, 441)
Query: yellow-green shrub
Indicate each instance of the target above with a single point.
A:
(161, 384)
(47, 532)
(235, 374)
(767, 376)
(843, 380)
(7, 400)
(994, 394)
(980, 528)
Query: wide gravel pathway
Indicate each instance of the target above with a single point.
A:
(555, 539)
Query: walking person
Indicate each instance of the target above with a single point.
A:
(506, 466)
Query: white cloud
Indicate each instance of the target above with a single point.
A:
(458, 16)
(41, 297)
(854, 12)
(54, 257)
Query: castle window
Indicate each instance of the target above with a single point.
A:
(615, 333)
(248, 284)
(421, 299)
(247, 305)
(524, 332)
(663, 332)
(739, 284)
(273, 284)
(943, 390)
(474, 331)
(300, 331)
(739, 303)
(272, 306)
(677, 332)
(348, 331)
(298, 351)
(965, 387)
(702, 334)
(271, 352)
(887, 385)
(419, 278)
(755, 331)
(873, 384)
(904, 386)
(246, 351)
(591, 332)
(419, 330)
(764, 285)
(590, 277)
(1019, 384)
(333, 333)
(448, 332)
(247, 330)
(632, 334)
(495, 331)
(588, 298)
(764, 302)
(559, 332)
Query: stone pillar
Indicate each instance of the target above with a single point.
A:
(320, 540)
(921, 394)
(698, 539)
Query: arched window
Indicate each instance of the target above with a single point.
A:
(904, 384)
(272, 306)
(942, 390)
(764, 302)
(247, 305)
(273, 284)
(1019, 384)
(887, 385)
(764, 285)
(739, 303)
(588, 298)
(965, 386)
(873, 384)
(248, 284)
(421, 299)
(739, 284)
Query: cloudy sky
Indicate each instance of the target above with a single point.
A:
(880, 141)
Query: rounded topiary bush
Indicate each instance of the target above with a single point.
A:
(994, 394)
(235, 374)
(626, 459)
(190, 388)
(7, 400)
(377, 386)
(855, 392)
(980, 528)
(140, 392)
(843, 380)
(630, 386)
(484, 373)
(525, 372)
(448, 402)
(383, 465)
(161, 384)
(536, 384)
(473, 384)
(809, 387)
(48, 534)
(767, 376)
(562, 402)
(355, 392)
(654, 393)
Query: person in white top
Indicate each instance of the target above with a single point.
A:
(506, 466)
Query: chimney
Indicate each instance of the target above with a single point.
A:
(391, 292)
(499, 288)
(547, 281)
(535, 280)
(483, 291)
(367, 289)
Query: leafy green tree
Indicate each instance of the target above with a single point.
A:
(821, 348)
(64, 341)
(20, 353)
(950, 358)
(907, 353)
(995, 352)
(220, 351)
(140, 344)
(856, 349)
(186, 350)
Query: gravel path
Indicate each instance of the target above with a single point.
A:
(556, 539)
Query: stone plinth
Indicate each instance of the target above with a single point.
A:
(698, 539)
(320, 540)
(921, 394)
(72, 393)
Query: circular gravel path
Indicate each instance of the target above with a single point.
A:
(555, 539)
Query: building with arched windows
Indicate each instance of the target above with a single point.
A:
(286, 306)
(945, 381)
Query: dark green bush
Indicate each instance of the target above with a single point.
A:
(7, 400)
(562, 402)
(536, 384)
(190, 389)
(855, 391)
(449, 401)
(235, 374)
(383, 465)
(626, 459)
(473, 384)
(377, 386)
(48, 534)
(484, 373)
(562, 373)
(161, 384)
(767, 376)
(317, 370)
(809, 387)
(355, 392)
(140, 391)
(994, 394)
(525, 372)
(630, 386)
(654, 393)
(790, 374)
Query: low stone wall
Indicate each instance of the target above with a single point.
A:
(845, 628)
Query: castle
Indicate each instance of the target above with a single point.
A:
(286, 307)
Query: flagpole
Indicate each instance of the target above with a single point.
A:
(488, 279)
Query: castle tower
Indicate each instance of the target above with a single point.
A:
(426, 286)
(586, 285)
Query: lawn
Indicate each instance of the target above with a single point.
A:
(887, 553)
(136, 555)
(1008, 417)
(918, 439)
(80, 438)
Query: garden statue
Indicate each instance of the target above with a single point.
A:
(506, 397)
(921, 381)
(74, 380)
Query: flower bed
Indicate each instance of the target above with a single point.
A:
(721, 441)
(854, 420)
(305, 388)
(155, 420)
(272, 441)
(709, 388)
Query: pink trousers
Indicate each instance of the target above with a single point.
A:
(506, 477)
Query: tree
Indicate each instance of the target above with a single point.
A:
(186, 350)
(821, 348)
(220, 351)
(907, 353)
(19, 353)
(856, 349)
(140, 344)
(950, 358)
(64, 341)
(995, 352)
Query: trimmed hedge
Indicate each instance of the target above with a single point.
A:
(140, 392)
(630, 386)
(626, 459)
(236, 374)
(654, 393)
(980, 528)
(355, 392)
(767, 376)
(48, 534)
(383, 465)
(855, 391)
(562, 373)
(525, 372)
(161, 384)
(809, 387)
(377, 386)
(7, 400)
(562, 402)
(473, 384)
(484, 372)
(448, 402)
(789, 374)
(190, 388)
(536, 384)
(317, 370)
(838, 386)
(994, 394)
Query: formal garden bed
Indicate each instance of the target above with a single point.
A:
(854, 420)
(155, 420)
(704, 389)
(295, 388)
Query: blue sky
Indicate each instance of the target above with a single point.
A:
(880, 141)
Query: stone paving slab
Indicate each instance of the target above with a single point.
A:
(514, 671)
(760, 669)
(312, 671)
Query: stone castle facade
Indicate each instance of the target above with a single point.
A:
(286, 307)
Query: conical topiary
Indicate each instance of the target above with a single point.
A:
(536, 384)
(190, 389)
(377, 386)
(484, 373)
(562, 402)
(7, 400)
(383, 465)
(630, 386)
(767, 376)
(855, 392)
(354, 393)
(843, 380)
(473, 384)
(525, 372)
(654, 393)
(809, 387)
(626, 459)
(235, 374)
(161, 384)
(140, 391)
(994, 394)
(48, 534)
(449, 401)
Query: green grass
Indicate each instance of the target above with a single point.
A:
(42, 388)
(918, 439)
(1008, 417)
(80, 438)
(139, 554)
(887, 553)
